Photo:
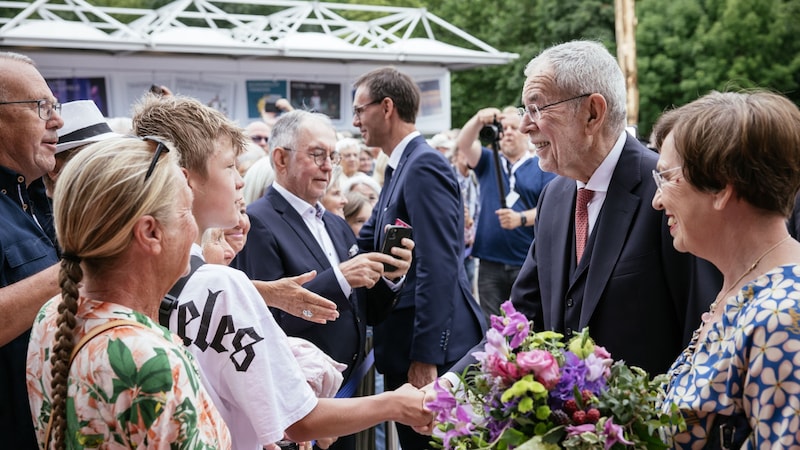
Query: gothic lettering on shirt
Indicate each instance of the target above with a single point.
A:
(243, 339)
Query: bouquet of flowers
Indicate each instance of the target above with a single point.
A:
(532, 391)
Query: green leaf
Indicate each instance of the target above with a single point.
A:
(156, 374)
(121, 360)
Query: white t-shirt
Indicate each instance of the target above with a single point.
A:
(248, 367)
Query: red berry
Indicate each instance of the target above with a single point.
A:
(586, 395)
(570, 406)
(579, 417)
(593, 415)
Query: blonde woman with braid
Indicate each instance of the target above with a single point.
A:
(100, 371)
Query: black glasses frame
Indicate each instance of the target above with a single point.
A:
(56, 106)
(334, 157)
(161, 147)
(358, 110)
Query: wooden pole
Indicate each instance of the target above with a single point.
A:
(625, 24)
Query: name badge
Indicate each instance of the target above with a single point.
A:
(511, 198)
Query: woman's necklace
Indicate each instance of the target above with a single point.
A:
(706, 317)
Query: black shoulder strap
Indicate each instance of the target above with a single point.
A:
(170, 301)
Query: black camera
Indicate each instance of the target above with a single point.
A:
(492, 132)
(287, 445)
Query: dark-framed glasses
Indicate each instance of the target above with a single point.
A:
(161, 147)
(357, 110)
(658, 177)
(320, 156)
(45, 107)
(534, 111)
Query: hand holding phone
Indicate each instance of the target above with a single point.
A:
(392, 238)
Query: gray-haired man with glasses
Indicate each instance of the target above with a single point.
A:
(602, 257)
(29, 119)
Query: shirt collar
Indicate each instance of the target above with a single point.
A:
(397, 153)
(301, 206)
(601, 177)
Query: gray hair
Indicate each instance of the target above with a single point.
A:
(286, 129)
(582, 67)
(11, 56)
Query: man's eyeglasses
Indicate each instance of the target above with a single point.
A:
(534, 111)
(320, 156)
(160, 148)
(658, 177)
(258, 139)
(46, 107)
(357, 110)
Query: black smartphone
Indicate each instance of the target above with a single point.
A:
(394, 234)
(287, 445)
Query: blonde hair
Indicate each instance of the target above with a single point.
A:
(100, 195)
(192, 126)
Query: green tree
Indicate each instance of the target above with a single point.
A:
(687, 48)
(525, 28)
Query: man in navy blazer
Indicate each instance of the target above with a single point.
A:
(436, 320)
(640, 298)
(291, 234)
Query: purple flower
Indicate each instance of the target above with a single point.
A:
(443, 404)
(462, 423)
(514, 324)
(598, 368)
(614, 433)
(573, 374)
(573, 430)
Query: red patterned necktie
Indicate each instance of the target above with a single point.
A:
(582, 221)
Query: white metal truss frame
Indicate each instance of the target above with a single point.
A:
(392, 34)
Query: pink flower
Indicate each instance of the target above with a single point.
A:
(614, 433)
(542, 364)
(499, 367)
(601, 352)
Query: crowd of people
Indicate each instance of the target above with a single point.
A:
(200, 284)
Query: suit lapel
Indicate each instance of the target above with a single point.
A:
(559, 243)
(613, 225)
(296, 224)
(387, 192)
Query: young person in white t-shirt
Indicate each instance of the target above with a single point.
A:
(247, 365)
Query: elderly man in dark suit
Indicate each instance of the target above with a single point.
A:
(291, 234)
(436, 320)
(606, 262)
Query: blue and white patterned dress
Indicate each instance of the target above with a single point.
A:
(748, 364)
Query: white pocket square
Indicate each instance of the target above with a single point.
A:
(353, 251)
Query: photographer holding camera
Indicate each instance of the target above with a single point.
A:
(508, 209)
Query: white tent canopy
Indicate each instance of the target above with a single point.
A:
(240, 55)
(294, 29)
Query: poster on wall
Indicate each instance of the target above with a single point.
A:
(262, 96)
(81, 88)
(430, 98)
(216, 94)
(320, 97)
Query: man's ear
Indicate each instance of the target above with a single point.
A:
(148, 235)
(598, 108)
(280, 158)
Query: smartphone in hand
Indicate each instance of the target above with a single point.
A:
(394, 234)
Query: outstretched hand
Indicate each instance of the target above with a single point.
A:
(289, 295)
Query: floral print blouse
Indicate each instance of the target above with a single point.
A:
(747, 365)
(128, 387)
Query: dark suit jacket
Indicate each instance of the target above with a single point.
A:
(436, 320)
(280, 245)
(640, 298)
